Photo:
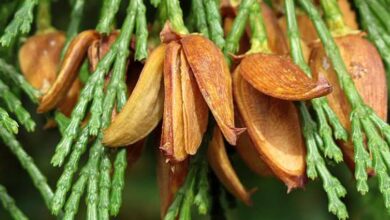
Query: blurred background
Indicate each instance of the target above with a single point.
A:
(141, 196)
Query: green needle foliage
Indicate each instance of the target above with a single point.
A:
(198, 10)
(21, 24)
(7, 71)
(9, 204)
(28, 164)
(15, 106)
(214, 21)
(195, 189)
(364, 120)
(109, 10)
(327, 119)
(314, 160)
(103, 197)
(238, 28)
(7, 122)
(259, 40)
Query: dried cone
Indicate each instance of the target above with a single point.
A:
(143, 110)
(68, 71)
(214, 81)
(219, 162)
(185, 111)
(274, 128)
(39, 59)
(279, 77)
(170, 178)
(365, 66)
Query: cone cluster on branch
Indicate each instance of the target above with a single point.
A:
(290, 86)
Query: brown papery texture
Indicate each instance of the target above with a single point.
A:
(365, 66)
(220, 163)
(69, 70)
(172, 139)
(247, 151)
(39, 58)
(274, 128)
(144, 108)
(279, 77)
(170, 178)
(195, 110)
(214, 80)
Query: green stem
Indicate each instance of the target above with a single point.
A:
(72, 205)
(118, 181)
(259, 39)
(175, 16)
(333, 52)
(7, 122)
(28, 164)
(14, 105)
(8, 71)
(316, 164)
(238, 28)
(9, 205)
(44, 16)
(104, 187)
(214, 21)
(381, 13)
(141, 44)
(21, 24)
(65, 181)
(199, 13)
(324, 113)
(334, 17)
(109, 10)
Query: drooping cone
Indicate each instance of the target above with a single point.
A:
(214, 81)
(365, 66)
(220, 163)
(274, 128)
(39, 59)
(68, 71)
(143, 110)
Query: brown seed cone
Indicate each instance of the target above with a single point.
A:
(39, 58)
(214, 80)
(365, 66)
(195, 110)
(274, 128)
(68, 72)
(279, 77)
(143, 110)
(219, 162)
(172, 138)
(170, 178)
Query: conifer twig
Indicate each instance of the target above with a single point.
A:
(9, 72)
(361, 117)
(21, 24)
(9, 205)
(15, 106)
(28, 164)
